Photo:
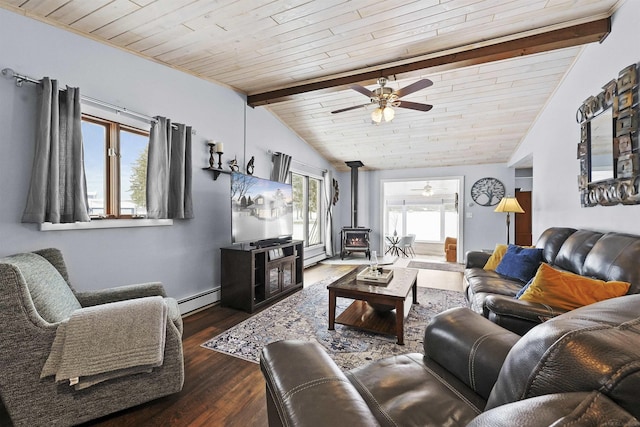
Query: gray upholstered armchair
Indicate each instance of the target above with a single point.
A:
(37, 302)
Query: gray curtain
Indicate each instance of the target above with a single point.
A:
(58, 189)
(280, 167)
(169, 171)
(328, 221)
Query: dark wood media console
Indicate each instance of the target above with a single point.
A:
(253, 277)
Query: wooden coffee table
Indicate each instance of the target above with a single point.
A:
(384, 297)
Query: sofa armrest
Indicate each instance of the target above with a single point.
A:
(477, 259)
(516, 315)
(120, 293)
(469, 346)
(563, 409)
(304, 384)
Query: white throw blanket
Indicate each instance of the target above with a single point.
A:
(108, 341)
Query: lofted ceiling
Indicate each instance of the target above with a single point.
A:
(493, 63)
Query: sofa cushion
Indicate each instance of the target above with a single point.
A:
(569, 291)
(551, 240)
(404, 390)
(496, 257)
(575, 249)
(615, 257)
(52, 298)
(480, 283)
(520, 263)
(480, 280)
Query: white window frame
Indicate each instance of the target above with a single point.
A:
(128, 120)
(317, 249)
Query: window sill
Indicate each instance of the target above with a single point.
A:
(106, 223)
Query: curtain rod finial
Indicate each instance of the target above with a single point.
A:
(8, 73)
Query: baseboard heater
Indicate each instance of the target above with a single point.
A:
(200, 300)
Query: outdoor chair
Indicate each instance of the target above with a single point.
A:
(406, 244)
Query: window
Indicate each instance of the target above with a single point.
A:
(429, 222)
(115, 167)
(307, 209)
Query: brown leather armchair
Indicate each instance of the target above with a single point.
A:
(451, 249)
(581, 368)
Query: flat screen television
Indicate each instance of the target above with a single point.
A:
(261, 210)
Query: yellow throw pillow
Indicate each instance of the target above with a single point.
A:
(566, 290)
(495, 257)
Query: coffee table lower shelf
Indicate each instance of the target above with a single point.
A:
(378, 315)
(362, 316)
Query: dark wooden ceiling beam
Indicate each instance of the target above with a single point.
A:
(576, 35)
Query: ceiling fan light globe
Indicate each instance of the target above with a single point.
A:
(376, 115)
(388, 113)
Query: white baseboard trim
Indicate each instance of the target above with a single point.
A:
(314, 260)
(198, 301)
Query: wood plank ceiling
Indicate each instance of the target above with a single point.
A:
(482, 110)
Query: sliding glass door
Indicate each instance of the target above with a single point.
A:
(307, 210)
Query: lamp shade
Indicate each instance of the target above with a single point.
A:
(388, 113)
(509, 204)
(376, 115)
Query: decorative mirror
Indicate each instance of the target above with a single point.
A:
(608, 149)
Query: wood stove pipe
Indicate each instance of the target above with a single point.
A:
(354, 165)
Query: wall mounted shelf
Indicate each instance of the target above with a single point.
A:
(217, 172)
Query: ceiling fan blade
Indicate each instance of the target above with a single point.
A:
(342, 110)
(415, 106)
(363, 90)
(414, 87)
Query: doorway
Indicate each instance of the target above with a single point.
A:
(427, 208)
(523, 220)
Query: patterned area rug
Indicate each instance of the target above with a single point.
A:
(304, 316)
(444, 266)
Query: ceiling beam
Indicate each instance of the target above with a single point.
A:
(576, 35)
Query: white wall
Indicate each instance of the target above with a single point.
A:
(185, 256)
(553, 139)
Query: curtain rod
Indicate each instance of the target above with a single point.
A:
(21, 78)
(299, 162)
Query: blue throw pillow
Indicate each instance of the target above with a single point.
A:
(520, 263)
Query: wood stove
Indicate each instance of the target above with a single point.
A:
(355, 239)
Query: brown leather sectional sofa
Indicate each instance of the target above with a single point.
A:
(581, 368)
(605, 256)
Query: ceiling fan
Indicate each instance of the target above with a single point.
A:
(386, 98)
(427, 190)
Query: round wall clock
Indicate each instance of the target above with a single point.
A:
(487, 191)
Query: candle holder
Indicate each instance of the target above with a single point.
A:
(216, 147)
(212, 160)
(219, 153)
